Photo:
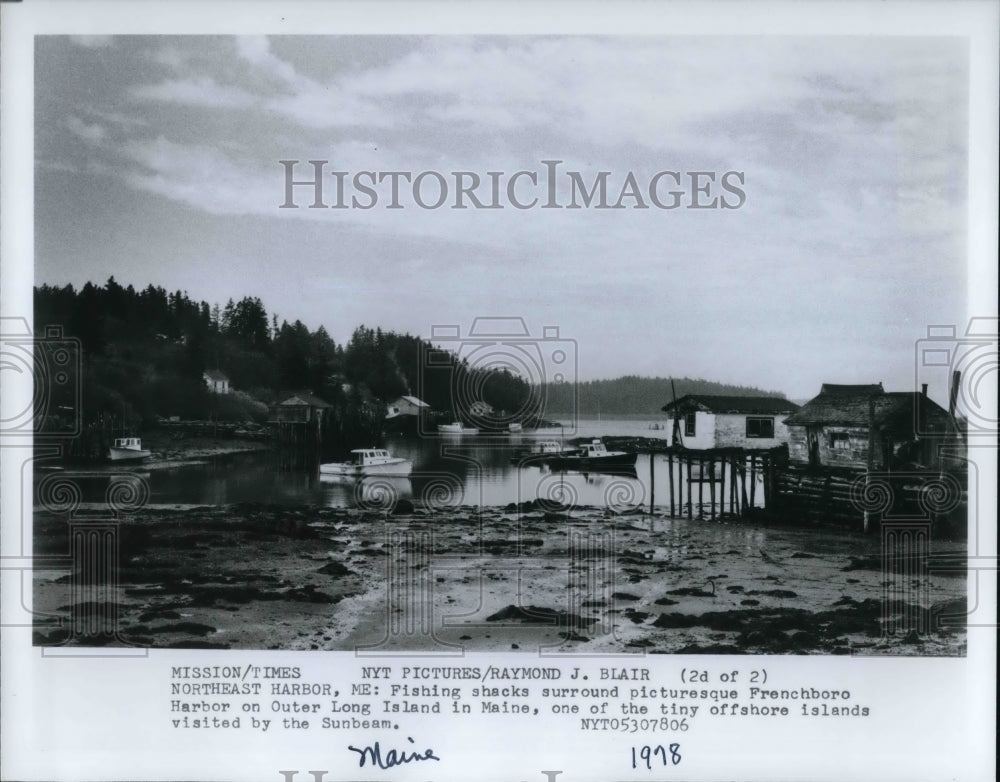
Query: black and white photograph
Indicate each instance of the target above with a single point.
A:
(563, 348)
(683, 435)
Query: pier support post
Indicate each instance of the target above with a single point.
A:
(652, 485)
(670, 479)
(711, 487)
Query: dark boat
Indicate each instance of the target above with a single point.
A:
(594, 457)
(542, 452)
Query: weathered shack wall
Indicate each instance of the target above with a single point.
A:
(798, 448)
(839, 446)
(704, 430)
(731, 431)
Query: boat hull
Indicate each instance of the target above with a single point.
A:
(611, 462)
(543, 457)
(127, 455)
(398, 468)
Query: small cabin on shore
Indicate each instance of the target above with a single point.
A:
(844, 424)
(301, 408)
(719, 421)
(407, 405)
(217, 381)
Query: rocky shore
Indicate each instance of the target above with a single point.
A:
(258, 577)
(169, 450)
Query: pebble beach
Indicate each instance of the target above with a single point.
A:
(496, 579)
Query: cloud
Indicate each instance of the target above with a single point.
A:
(124, 121)
(198, 176)
(90, 132)
(202, 91)
(256, 50)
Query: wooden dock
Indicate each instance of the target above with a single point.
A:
(715, 482)
(738, 482)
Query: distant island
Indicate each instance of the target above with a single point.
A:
(634, 395)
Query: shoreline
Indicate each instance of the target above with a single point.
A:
(300, 577)
(168, 453)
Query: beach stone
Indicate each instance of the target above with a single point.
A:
(335, 569)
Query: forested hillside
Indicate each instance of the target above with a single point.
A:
(145, 351)
(632, 395)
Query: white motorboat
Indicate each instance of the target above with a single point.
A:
(456, 428)
(128, 449)
(369, 461)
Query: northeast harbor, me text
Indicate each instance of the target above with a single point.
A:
(632, 699)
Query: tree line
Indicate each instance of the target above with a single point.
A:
(145, 352)
(631, 395)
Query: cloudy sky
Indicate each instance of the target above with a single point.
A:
(157, 162)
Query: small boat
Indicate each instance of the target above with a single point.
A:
(368, 461)
(514, 428)
(456, 428)
(128, 449)
(593, 455)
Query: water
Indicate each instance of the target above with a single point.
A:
(447, 472)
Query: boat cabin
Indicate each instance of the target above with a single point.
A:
(129, 443)
(365, 457)
(593, 449)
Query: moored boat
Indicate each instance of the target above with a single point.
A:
(456, 428)
(368, 461)
(593, 455)
(128, 449)
(542, 451)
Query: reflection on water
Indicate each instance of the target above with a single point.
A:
(448, 472)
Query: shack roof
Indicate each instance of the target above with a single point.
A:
(905, 408)
(216, 374)
(895, 411)
(305, 400)
(718, 403)
(414, 401)
(840, 405)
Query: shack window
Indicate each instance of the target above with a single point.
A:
(760, 427)
(840, 441)
(689, 425)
